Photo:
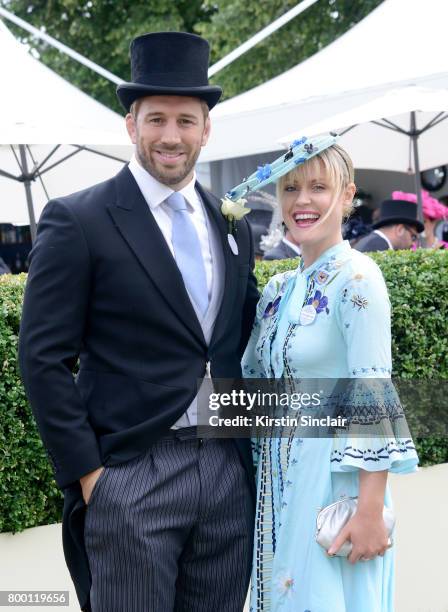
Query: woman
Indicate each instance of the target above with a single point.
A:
(433, 212)
(329, 319)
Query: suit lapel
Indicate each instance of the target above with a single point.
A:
(140, 230)
(231, 263)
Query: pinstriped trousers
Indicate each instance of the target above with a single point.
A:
(171, 531)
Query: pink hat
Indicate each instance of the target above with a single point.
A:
(432, 208)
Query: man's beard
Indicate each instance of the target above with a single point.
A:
(165, 176)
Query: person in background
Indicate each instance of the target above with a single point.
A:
(433, 212)
(258, 231)
(285, 249)
(397, 228)
(358, 224)
(375, 215)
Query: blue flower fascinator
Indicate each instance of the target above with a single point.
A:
(298, 153)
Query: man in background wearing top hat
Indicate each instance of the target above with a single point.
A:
(397, 228)
(136, 278)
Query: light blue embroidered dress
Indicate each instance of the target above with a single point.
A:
(349, 337)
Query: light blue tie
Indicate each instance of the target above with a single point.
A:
(187, 252)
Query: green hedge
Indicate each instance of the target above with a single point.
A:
(28, 494)
(418, 287)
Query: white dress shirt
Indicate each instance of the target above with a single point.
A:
(292, 246)
(156, 193)
(380, 233)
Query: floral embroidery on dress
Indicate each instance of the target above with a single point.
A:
(286, 585)
(359, 301)
(272, 307)
(371, 370)
(319, 301)
(322, 277)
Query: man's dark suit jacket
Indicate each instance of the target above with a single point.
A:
(104, 287)
(371, 242)
(281, 251)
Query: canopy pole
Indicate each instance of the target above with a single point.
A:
(60, 47)
(261, 35)
(418, 183)
(29, 196)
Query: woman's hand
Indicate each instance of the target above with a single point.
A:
(368, 536)
(366, 529)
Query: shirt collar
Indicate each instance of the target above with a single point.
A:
(385, 238)
(154, 192)
(292, 246)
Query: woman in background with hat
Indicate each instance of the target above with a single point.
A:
(328, 319)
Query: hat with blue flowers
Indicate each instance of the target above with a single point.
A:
(298, 153)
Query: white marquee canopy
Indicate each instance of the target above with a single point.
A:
(380, 137)
(40, 109)
(402, 42)
(37, 106)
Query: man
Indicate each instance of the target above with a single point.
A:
(399, 225)
(136, 277)
(285, 249)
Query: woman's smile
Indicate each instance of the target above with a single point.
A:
(305, 218)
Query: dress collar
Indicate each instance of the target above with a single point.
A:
(338, 251)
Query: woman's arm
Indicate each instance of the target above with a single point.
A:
(366, 530)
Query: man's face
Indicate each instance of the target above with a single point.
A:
(169, 132)
(404, 236)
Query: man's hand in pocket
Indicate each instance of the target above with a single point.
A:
(88, 483)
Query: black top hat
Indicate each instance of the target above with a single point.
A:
(169, 63)
(398, 211)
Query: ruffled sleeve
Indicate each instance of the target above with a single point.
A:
(377, 437)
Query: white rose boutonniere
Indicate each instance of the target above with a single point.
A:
(233, 211)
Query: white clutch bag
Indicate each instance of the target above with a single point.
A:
(334, 517)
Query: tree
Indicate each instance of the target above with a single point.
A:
(102, 30)
(237, 20)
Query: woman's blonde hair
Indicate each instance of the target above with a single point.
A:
(338, 167)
